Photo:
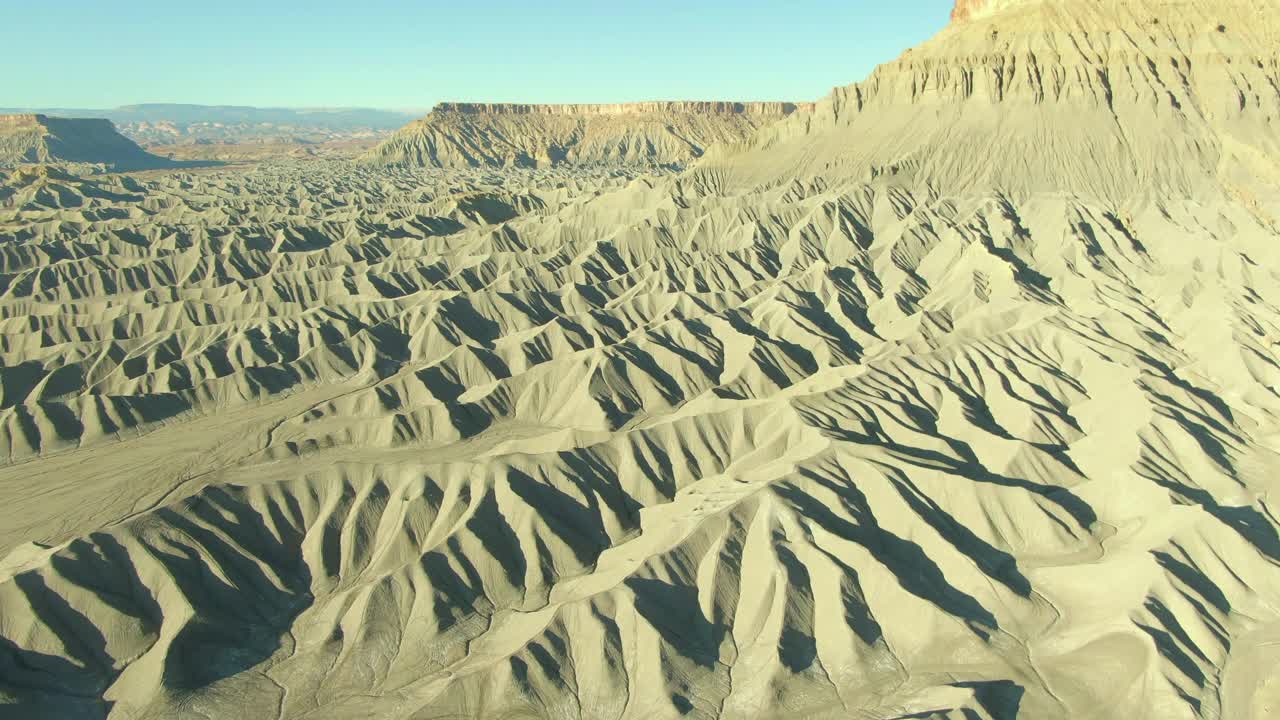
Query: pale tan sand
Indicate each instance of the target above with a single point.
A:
(957, 398)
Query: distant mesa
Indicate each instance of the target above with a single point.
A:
(241, 133)
(637, 108)
(154, 125)
(651, 134)
(36, 138)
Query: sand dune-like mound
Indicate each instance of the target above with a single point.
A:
(650, 134)
(34, 138)
(919, 407)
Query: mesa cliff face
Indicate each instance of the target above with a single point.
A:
(517, 135)
(34, 138)
(1107, 98)
(675, 107)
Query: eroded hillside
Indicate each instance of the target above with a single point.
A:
(847, 421)
(656, 134)
(33, 138)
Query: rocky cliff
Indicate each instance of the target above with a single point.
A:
(516, 135)
(34, 138)
(694, 107)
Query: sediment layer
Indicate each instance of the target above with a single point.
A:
(656, 134)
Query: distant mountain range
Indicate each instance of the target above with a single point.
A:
(170, 124)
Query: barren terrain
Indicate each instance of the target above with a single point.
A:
(667, 135)
(956, 397)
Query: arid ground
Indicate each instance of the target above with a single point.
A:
(955, 395)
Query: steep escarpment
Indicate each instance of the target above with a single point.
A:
(1108, 98)
(34, 138)
(633, 134)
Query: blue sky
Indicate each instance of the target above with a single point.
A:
(378, 53)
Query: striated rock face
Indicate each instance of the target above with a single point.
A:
(1108, 98)
(633, 134)
(640, 108)
(34, 138)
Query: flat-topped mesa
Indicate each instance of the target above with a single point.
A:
(23, 120)
(647, 134)
(634, 108)
(34, 138)
(39, 120)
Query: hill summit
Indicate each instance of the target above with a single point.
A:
(968, 9)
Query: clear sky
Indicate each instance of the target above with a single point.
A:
(410, 54)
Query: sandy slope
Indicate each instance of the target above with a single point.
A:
(929, 428)
(1109, 98)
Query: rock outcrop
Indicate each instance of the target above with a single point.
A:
(35, 138)
(967, 9)
(1106, 98)
(633, 134)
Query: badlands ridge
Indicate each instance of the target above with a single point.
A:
(955, 397)
(651, 134)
